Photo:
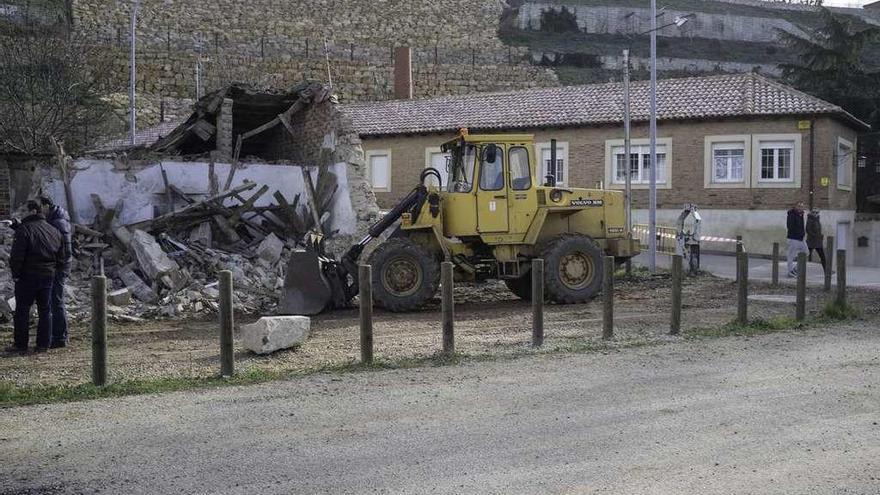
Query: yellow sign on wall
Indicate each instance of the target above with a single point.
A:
(804, 125)
(824, 181)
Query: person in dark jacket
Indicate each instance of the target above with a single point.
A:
(58, 218)
(795, 234)
(815, 237)
(37, 254)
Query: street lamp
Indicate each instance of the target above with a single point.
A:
(679, 21)
(135, 6)
(652, 206)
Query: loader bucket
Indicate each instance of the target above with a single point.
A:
(306, 290)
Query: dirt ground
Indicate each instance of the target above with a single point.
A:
(489, 320)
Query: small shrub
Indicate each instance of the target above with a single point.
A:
(836, 311)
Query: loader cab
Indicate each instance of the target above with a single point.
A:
(491, 187)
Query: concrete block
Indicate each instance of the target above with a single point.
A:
(269, 251)
(150, 256)
(272, 333)
(121, 297)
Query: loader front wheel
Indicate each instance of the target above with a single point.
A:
(405, 275)
(572, 269)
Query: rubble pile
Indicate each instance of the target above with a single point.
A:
(167, 266)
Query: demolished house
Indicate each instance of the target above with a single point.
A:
(235, 187)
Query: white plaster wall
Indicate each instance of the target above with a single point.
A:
(867, 256)
(140, 190)
(759, 228)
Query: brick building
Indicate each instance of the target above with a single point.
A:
(742, 147)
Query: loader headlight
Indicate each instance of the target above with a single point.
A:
(556, 195)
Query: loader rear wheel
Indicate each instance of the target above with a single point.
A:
(405, 275)
(572, 269)
(521, 287)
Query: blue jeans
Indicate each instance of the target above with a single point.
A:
(30, 289)
(59, 314)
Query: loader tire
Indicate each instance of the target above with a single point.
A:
(521, 287)
(572, 269)
(405, 275)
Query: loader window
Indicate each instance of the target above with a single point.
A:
(520, 174)
(461, 172)
(492, 172)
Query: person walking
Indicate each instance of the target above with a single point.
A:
(60, 219)
(795, 234)
(815, 237)
(37, 254)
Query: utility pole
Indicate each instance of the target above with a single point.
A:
(136, 4)
(627, 145)
(652, 196)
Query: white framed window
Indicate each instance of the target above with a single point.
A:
(379, 169)
(639, 163)
(844, 159)
(727, 161)
(777, 160)
(440, 161)
(546, 167)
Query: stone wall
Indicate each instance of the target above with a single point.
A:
(270, 43)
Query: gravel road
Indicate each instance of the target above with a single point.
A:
(789, 413)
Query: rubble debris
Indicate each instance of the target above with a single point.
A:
(270, 249)
(270, 334)
(149, 255)
(121, 297)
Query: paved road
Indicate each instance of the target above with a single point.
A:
(784, 413)
(761, 269)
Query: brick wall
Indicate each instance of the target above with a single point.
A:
(587, 162)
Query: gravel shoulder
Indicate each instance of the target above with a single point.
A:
(783, 413)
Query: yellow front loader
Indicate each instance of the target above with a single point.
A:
(490, 219)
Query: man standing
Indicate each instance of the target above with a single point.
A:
(796, 232)
(37, 254)
(58, 218)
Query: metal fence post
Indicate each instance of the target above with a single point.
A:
(829, 261)
(537, 302)
(677, 268)
(801, 309)
(742, 277)
(365, 280)
(227, 358)
(99, 330)
(608, 297)
(841, 277)
(448, 311)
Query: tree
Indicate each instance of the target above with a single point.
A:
(50, 87)
(831, 65)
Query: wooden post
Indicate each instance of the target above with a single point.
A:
(537, 302)
(446, 285)
(608, 297)
(829, 261)
(841, 277)
(677, 268)
(227, 359)
(739, 249)
(365, 279)
(742, 277)
(99, 330)
(801, 310)
(775, 267)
